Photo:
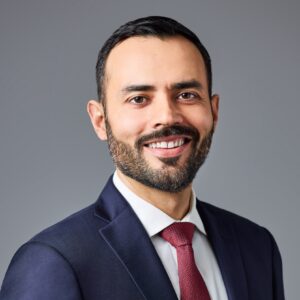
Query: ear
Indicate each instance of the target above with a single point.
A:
(215, 109)
(96, 112)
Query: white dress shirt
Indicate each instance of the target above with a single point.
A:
(154, 220)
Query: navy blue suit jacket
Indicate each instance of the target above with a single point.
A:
(104, 252)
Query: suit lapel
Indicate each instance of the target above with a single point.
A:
(129, 241)
(224, 242)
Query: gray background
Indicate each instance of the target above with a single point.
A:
(51, 163)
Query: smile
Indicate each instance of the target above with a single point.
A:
(168, 147)
(166, 144)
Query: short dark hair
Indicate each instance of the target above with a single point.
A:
(156, 26)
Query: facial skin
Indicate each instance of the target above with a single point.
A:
(156, 94)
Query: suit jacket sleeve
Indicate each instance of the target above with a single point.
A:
(38, 271)
(278, 289)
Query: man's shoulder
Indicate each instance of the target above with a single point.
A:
(231, 225)
(243, 228)
(80, 230)
(224, 214)
(72, 230)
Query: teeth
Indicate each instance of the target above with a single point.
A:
(171, 145)
(167, 145)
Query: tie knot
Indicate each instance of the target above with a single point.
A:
(179, 234)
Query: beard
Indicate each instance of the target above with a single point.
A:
(172, 177)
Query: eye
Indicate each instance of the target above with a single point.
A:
(188, 96)
(138, 100)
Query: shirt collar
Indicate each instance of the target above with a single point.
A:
(147, 212)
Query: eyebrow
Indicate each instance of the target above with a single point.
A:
(187, 85)
(175, 86)
(138, 88)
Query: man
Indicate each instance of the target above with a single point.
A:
(147, 236)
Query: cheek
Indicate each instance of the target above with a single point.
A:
(126, 127)
(203, 122)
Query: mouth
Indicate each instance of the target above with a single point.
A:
(167, 143)
(170, 146)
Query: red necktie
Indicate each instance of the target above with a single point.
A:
(192, 285)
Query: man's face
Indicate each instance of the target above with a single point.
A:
(159, 119)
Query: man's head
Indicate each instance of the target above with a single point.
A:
(155, 26)
(159, 114)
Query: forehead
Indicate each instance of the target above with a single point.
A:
(156, 61)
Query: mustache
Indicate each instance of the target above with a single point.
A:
(169, 131)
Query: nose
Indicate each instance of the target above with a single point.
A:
(166, 112)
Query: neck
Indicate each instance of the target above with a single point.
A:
(176, 205)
